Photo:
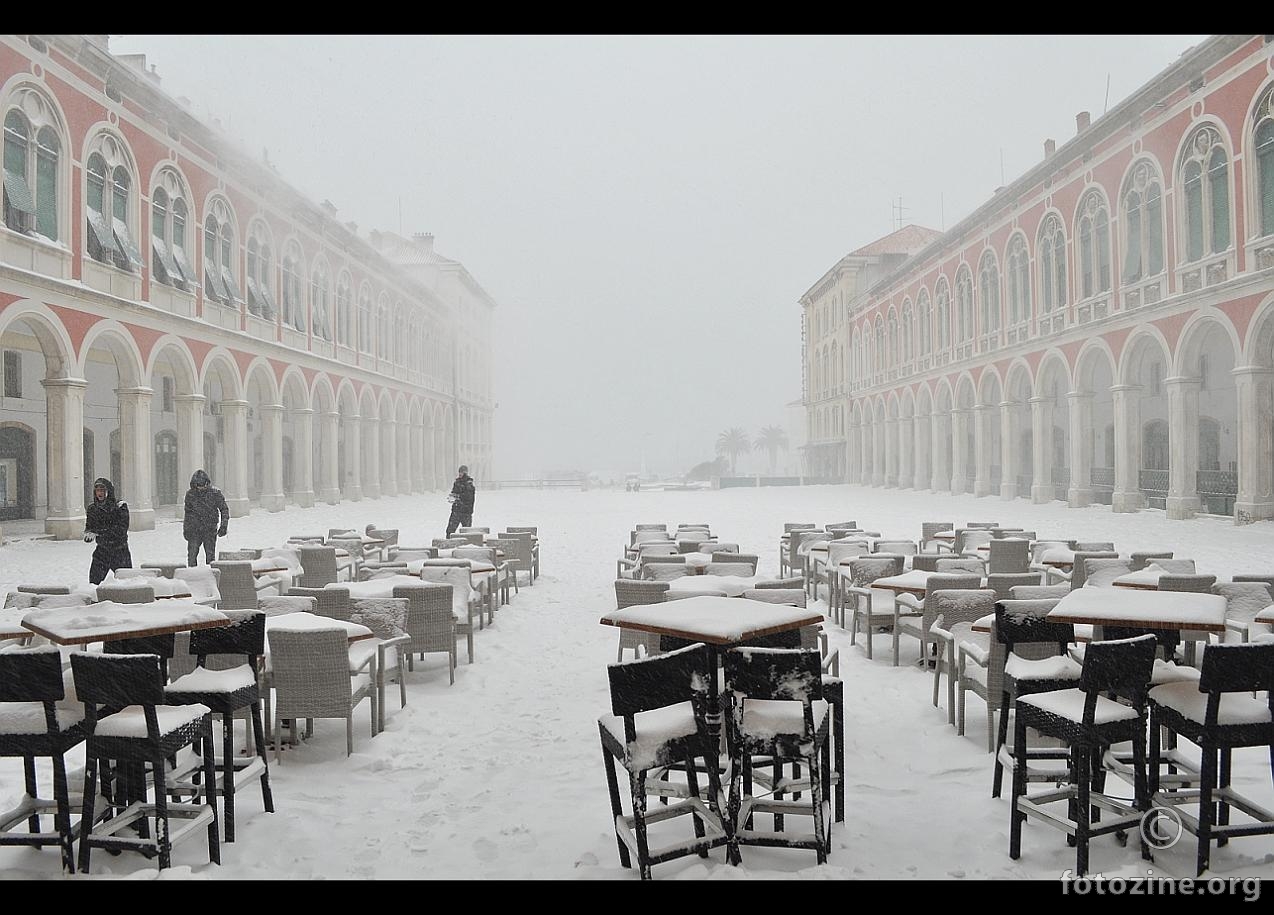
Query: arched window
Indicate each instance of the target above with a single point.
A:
(907, 340)
(1263, 143)
(320, 297)
(964, 304)
(1018, 274)
(1094, 245)
(942, 294)
(895, 340)
(260, 281)
(989, 293)
(169, 213)
(219, 255)
(32, 151)
(1143, 224)
(290, 288)
(1052, 264)
(1205, 176)
(382, 330)
(110, 205)
(365, 319)
(924, 315)
(880, 345)
(344, 314)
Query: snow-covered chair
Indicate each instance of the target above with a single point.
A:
(954, 613)
(914, 617)
(629, 593)
(203, 584)
(465, 603)
(312, 679)
(432, 624)
(386, 617)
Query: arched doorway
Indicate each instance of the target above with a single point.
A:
(168, 488)
(17, 471)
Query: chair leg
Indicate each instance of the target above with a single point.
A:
(163, 838)
(616, 811)
(1016, 817)
(1003, 737)
(1083, 763)
(28, 771)
(349, 732)
(210, 793)
(637, 785)
(692, 781)
(937, 672)
(1207, 780)
(1223, 814)
(227, 768)
(258, 735)
(951, 683)
(62, 820)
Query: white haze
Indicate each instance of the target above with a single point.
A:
(648, 210)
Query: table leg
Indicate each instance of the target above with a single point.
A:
(714, 718)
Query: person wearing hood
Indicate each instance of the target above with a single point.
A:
(205, 519)
(461, 498)
(106, 524)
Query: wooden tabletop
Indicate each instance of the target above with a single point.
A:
(1266, 615)
(732, 585)
(107, 620)
(1142, 609)
(717, 620)
(303, 621)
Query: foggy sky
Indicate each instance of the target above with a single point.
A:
(647, 210)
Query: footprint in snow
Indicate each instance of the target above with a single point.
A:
(486, 850)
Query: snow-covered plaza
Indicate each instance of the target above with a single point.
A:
(501, 776)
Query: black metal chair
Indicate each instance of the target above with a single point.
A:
(36, 721)
(648, 729)
(226, 679)
(1218, 714)
(1088, 723)
(126, 720)
(778, 712)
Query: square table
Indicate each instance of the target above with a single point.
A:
(107, 620)
(1132, 609)
(1146, 579)
(732, 585)
(1266, 615)
(304, 621)
(376, 587)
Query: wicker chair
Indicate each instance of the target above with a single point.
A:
(916, 617)
(132, 592)
(731, 569)
(204, 583)
(389, 535)
(319, 566)
(43, 589)
(386, 617)
(629, 593)
(356, 552)
(431, 624)
(955, 612)
(749, 559)
(237, 555)
(504, 567)
(1003, 583)
(662, 571)
(240, 589)
(1243, 600)
(333, 603)
(862, 572)
(929, 528)
(464, 603)
(1101, 573)
(522, 559)
(38, 720)
(1009, 556)
(1079, 570)
(534, 531)
(1140, 558)
(312, 679)
(489, 583)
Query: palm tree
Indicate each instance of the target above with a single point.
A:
(773, 440)
(732, 443)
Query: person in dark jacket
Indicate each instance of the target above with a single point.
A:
(106, 524)
(461, 499)
(206, 518)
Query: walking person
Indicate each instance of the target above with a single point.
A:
(205, 519)
(461, 498)
(106, 524)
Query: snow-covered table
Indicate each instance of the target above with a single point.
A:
(1146, 579)
(377, 587)
(732, 585)
(1058, 558)
(914, 582)
(302, 621)
(107, 620)
(1133, 609)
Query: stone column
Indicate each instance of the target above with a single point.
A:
(403, 459)
(1008, 450)
(959, 450)
(353, 458)
(864, 461)
(878, 453)
(64, 447)
(1041, 451)
(329, 487)
(906, 452)
(137, 457)
(388, 458)
(981, 450)
(1080, 492)
(303, 451)
(1126, 404)
(236, 450)
(1183, 446)
(920, 451)
(939, 474)
(1255, 499)
(272, 495)
(371, 433)
(189, 441)
(891, 452)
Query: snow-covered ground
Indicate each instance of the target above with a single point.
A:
(500, 775)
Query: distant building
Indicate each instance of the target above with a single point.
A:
(1100, 330)
(168, 303)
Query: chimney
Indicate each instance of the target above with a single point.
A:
(1081, 122)
(329, 208)
(424, 241)
(1050, 147)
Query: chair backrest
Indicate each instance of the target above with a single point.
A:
(999, 532)
(386, 617)
(123, 574)
(48, 601)
(276, 605)
(982, 525)
(1095, 546)
(799, 537)
(1175, 566)
(412, 554)
(1140, 558)
(1003, 583)
(238, 555)
(652, 527)
(676, 559)
(748, 559)
(1025, 622)
(306, 538)
(972, 566)
(473, 538)
(352, 545)
(44, 589)
(1236, 669)
(455, 576)
(288, 556)
(132, 592)
(781, 584)
(791, 597)
(1039, 592)
(962, 605)
(237, 584)
(533, 529)
(841, 526)
(1101, 573)
(447, 543)
(431, 619)
(330, 602)
(1040, 547)
(785, 674)
(788, 527)
(481, 553)
(630, 593)
(658, 682)
(1079, 570)
(864, 570)
(648, 536)
(733, 569)
(1196, 583)
(719, 547)
(693, 544)
(1009, 556)
(904, 547)
(478, 530)
(117, 680)
(33, 675)
(319, 563)
(969, 538)
(311, 672)
(382, 570)
(1244, 599)
(1121, 666)
(344, 533)
(662, 571)
(244, 636)
(899, 560)
(839, 551)
(657, 548)
(1268, 579)
(927, 562)
(943, 581)
(929, 528)
(202, 580)
(521, 559)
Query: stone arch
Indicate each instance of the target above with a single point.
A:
(1208, 418)
(1094, 431)
(349, 441)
